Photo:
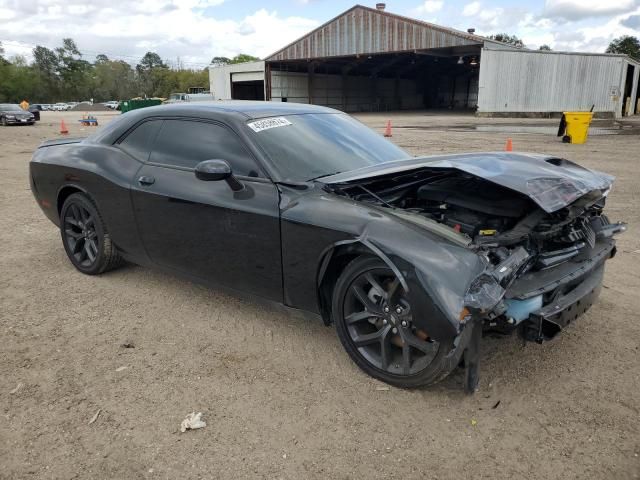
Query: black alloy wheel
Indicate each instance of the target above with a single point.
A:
(376, 326)
(80, 235)
(85, 236)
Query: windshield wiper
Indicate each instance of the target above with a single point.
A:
(322, 176)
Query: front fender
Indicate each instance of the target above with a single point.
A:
(436, 270)
(437, 274)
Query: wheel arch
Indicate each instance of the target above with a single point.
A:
(334, 260)
(65, 192)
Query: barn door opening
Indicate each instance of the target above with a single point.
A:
(628, 106)
(248, 90)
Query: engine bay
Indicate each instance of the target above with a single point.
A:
(496, 219)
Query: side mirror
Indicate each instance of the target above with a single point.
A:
(216, 170)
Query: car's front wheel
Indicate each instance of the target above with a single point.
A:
(85, 236)
(375, 324)
(4, 122)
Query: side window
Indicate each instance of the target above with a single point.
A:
(185, 143)
(139, 142)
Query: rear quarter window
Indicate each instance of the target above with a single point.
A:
(139, 142)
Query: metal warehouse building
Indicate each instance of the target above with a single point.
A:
(368, 59)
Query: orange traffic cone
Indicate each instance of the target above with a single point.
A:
(387, 130)
(509, 146)
(63, 128)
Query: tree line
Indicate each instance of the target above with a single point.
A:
(63, 75)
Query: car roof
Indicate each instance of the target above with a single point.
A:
(234, 111)
(246, 108)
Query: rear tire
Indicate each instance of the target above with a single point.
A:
(375, 325)
(85, 236)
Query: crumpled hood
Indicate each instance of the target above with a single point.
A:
(550, 182)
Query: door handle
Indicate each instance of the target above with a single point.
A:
(146, 181)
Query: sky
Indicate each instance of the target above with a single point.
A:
(191, 32)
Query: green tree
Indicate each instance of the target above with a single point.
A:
(3, 61)
(240, 58)
(75, 73)
(46, 66)
(506, 38)
(220, 61)
(150, 61)
(545, 47)
(626, 44)
(113, 80)
(46, 60)
(18, 81)
(151, 75)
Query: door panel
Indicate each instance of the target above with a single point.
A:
(206, 230)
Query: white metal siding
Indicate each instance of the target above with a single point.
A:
(530, 81)
(220, 77)
(247, 76)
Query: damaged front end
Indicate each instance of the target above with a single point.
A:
(540, 301)
(536, 222)
(541, 277)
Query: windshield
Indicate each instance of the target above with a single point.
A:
(9, 107)
(308, 146)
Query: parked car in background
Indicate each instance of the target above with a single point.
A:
(60, 107)
(14, 114)
(113, 105)
(35, 109)
(72, 104)
(411, 258)
(190, 97)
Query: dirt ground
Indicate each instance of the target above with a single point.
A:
(280, 397)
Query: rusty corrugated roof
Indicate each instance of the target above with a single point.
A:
(363, 30)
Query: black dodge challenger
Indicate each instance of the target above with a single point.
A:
(411, 258)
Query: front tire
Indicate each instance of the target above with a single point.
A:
(85, 236)
(374, 322)
(4, 122)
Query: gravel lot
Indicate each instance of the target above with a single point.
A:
(280, 397)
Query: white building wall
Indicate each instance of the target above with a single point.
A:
(532, 81)
(220, 77)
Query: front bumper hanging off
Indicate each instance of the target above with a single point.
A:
(546, 322)
(568, 292)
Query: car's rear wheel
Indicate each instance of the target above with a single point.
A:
(375, 324)
(85, 236)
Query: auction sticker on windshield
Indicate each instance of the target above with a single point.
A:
(267, 123)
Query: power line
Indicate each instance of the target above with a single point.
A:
(89, 53)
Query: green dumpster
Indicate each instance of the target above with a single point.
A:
(134, 104)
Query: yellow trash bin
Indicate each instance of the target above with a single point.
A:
(577, 126)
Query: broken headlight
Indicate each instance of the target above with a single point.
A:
(484, 293)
